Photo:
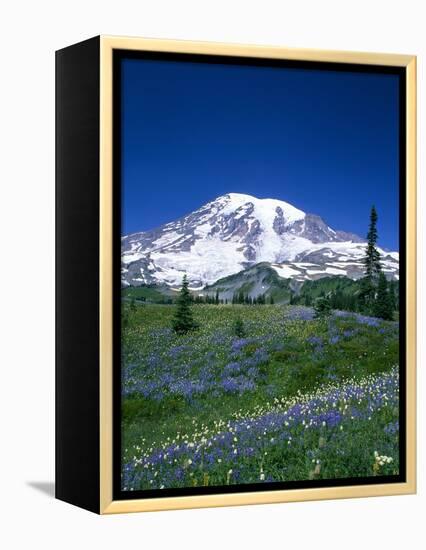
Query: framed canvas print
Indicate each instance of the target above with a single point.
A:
(235, 274)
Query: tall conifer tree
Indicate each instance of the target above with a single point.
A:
(383, 306)
(372, 266)
(183, 321)
(392, 295)
(372, 256)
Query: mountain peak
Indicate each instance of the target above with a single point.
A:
(230, 233)
(265, 207)
(238, 197)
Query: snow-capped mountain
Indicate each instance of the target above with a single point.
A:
(236, 231)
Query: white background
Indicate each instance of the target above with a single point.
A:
(30, 31)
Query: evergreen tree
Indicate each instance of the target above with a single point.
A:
(322, 307)
(383, 305)
(271, 300)
(308, 300)
(352, 302)
(238, 328)
(372, 257)
(392, 295)
(183, 321)
(372, 266)
(338, 301)
(216, 300)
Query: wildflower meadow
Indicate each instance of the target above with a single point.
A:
(296, 398)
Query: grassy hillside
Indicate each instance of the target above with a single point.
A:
(150, 294)
(256, 280)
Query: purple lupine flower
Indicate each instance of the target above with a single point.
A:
(315, 340)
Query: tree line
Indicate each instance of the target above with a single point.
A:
(350, 300)
(245, 299)
(239, 297)
(375, 295)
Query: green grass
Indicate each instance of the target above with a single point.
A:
(186, 384)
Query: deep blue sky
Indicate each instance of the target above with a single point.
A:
(325, 141)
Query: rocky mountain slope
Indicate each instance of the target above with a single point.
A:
(235, 232)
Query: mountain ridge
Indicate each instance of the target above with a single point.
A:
(236, 231)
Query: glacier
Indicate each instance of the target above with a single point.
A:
(236, 231)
